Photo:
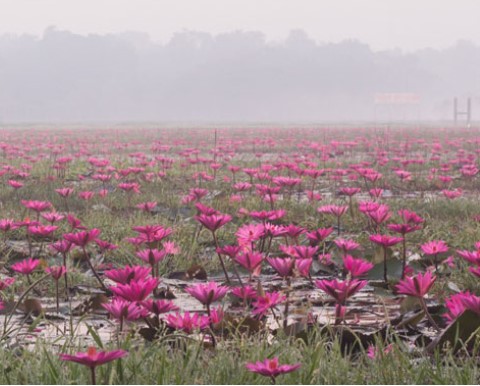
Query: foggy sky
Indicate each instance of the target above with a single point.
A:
(382, 24)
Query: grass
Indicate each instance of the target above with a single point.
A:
(323, 362)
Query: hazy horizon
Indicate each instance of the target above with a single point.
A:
(237, 61)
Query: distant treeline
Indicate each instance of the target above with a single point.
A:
(237, 76)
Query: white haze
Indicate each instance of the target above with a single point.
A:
(382, 24)
(231, 60)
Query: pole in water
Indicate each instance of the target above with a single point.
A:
(215, 148)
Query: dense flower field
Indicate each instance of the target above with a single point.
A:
(240, 255)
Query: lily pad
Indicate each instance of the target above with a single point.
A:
(394, 270)
(458, 333)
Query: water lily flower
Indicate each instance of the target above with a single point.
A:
(245, 292)
(187, 322)
(128, 273)
(125, 310)
(207, 293)
(346, 245)
(340, 290)
(283, 266)
(64, 192)
(135, 291)
(252, 261)
(213, 222)
(317, 236)
(266, 302)
(83, 238)
(356, 267)
(434, 248)
(159, 306)
(385, 241)
(418, 286)
(36, 206)
(271, 368)
(26, 267)
(92, 358)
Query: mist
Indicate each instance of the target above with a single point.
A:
(239, 76)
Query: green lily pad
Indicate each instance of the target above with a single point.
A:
(459, 332)
(394, 270)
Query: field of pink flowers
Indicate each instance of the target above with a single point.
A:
(240, 255)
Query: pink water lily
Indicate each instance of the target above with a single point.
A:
(418, 286)
(213, 222)
(125, 310)
(56, 271)
(385, 241)
(36, 206)
(283, 266)
(187, 322)
(356, 267)
(159, 306)
(27, 266)
(346, 245)
(434, 248)
(319, 235)
(271, 368)
(266, 302)
(252, 261)
(83, 238)
(128, 274)
(135, 291)
(207, 293)
(93, 358)
(246, 292)
(340, 290)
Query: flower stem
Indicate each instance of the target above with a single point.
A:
(56, 292)
(93, 270)
(427, 314)
(65, 275)
(287, 303)
(92, 372)
(385, 265)
(20, 299)
(220, 257)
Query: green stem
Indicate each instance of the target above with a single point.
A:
(92, 372)
(287, 303)
(427, 314)
(220, 257)
(56, 292)
(20, 299)
(93, 270)
(385, 265)
(66, 273)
